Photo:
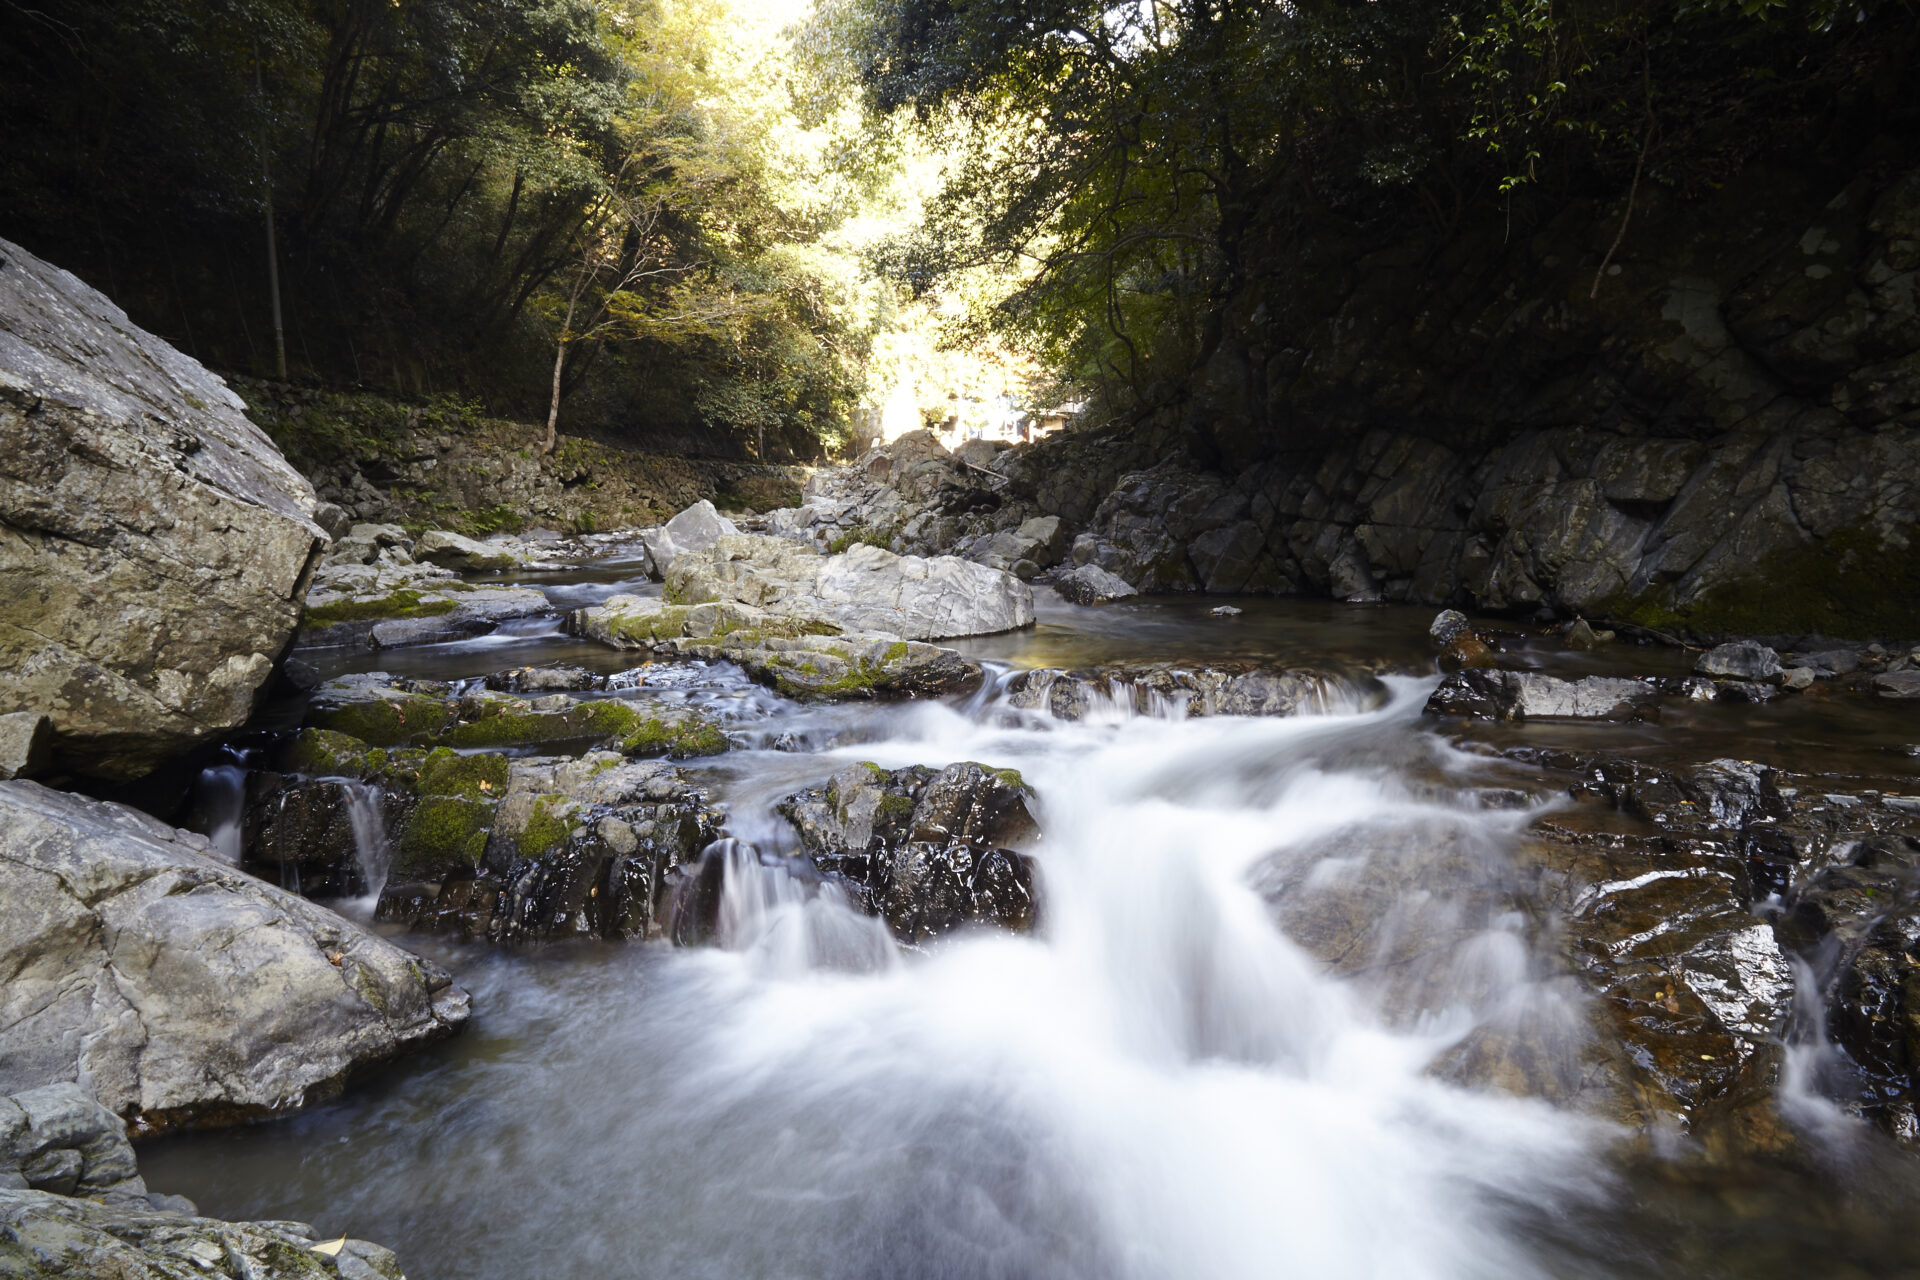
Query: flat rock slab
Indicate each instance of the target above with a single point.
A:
(183, 992)
(154, 545)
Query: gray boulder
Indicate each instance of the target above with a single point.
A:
(154, 545)
(695, 529)
(180, 991)
(864, 589)
(1740, 660)
(1090, 584)
(58, 1138)
(453, 551)
(1528, 695)
(1897, 684)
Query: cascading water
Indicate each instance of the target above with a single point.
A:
(1159, 1083)
(220, 798)
(372, 856)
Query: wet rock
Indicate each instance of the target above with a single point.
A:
(1827, 662)
(452, 551)
(1581, 635)
(44, 1234)
(1897, 684)
(156, 545)
(1229, 689)
(1461, 647)
(545, 680)
(26, 744)
(1740, 660)
(1090, 584)
(788, 654)
(695, 529)
(1798, 679)
(386, 711)
(927, 850)
(863, 589)
(1527, 695)
(184, 992)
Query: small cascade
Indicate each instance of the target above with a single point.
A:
(220, 800)
(1815, 1072)
(372, 855)
(785, 919)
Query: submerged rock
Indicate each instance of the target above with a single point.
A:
(1528, 695)
(184, 992)
(927, 850)
(156, 545)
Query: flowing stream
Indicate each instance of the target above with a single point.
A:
(1157, 1083)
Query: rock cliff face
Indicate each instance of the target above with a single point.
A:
(154, 545)
(1723, 438)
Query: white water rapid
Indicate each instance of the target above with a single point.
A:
(1158, 1084)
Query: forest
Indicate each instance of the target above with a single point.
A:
(684, 220)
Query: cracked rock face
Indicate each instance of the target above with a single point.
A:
(180, 991)
(154, 545)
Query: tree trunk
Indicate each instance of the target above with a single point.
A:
(553, 407)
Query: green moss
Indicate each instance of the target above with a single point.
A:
(895, 806)
(543, 831)
(444, 833)
(896, 652)
(862, 535)
(644, 628)
(388, 724)
(1011, 778)
(1846, 585)
(446, 772)
(324, 752)
(401, 604)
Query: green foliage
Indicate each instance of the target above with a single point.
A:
(1125, 163)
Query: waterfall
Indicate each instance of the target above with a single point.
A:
(220, 796)
(372, 855)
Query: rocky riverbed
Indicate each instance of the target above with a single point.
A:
(881, 885)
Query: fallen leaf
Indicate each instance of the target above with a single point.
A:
(330, 1249)
(335, 957)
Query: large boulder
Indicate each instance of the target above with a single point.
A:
(695, 529)
(864, 589)
(928, 850)
(154, 545)
(179, 990)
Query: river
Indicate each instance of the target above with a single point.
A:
(1157, 1083)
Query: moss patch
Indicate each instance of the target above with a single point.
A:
(445, 833)
(543, 831)
(401, 604)
(446, 772)
(388, 724)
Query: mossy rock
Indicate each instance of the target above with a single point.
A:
(545, 829)
(388, 723)
(445, 833)
(400, 604)
(447, 772)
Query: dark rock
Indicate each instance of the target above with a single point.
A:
(1740, 660)
(1090, 584)
(929, 851)
(1461, 647)
(1898, 684)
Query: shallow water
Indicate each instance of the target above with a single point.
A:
(1157, 1083)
